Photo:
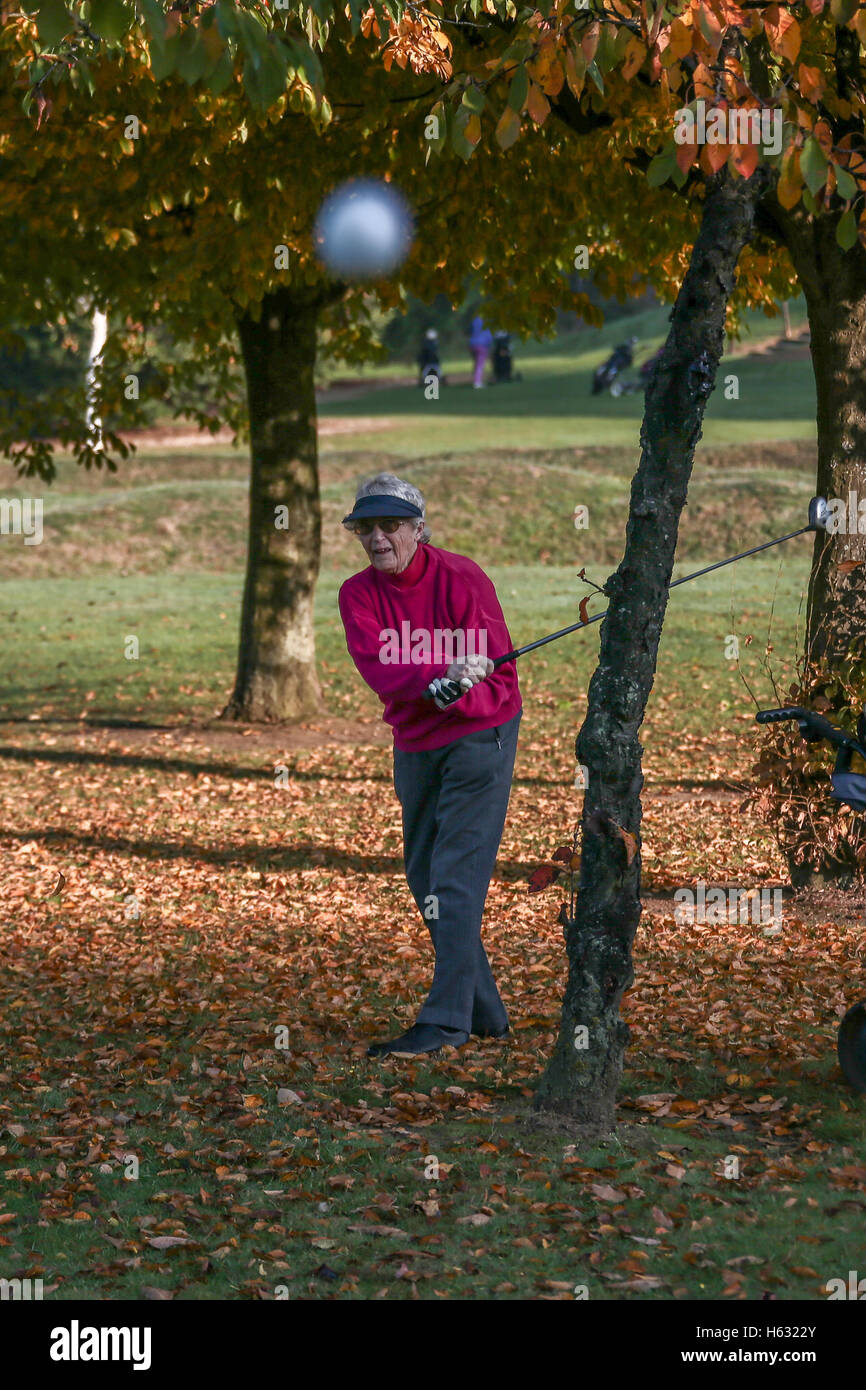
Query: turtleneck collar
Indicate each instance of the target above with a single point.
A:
(411, 574)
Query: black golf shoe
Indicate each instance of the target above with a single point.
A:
(420, 1038)
(492, 1032)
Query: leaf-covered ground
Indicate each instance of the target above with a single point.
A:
(196, 957)
(205, 925)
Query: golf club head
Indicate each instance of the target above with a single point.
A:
(819, 514)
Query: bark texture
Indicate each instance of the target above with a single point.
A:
(834, 284)
(276, 672)
(582, 1080)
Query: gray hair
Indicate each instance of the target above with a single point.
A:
(389, 485)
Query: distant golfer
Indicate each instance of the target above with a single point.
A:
(417, 613)
(480, 344)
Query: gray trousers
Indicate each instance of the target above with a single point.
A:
(454, 801)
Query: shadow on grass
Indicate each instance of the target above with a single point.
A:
(307, 854)
(73, 758)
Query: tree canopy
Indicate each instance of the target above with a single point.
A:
(117, 142)
(619, 60)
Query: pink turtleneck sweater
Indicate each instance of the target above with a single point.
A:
(437, 590)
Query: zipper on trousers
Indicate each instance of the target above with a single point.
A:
(498, 739)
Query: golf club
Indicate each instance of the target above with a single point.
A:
(446, 692)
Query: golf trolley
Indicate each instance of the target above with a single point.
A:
(644, 372)
(501, 360)
(849, 788)
(604, 376)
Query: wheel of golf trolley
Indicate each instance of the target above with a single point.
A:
(616, 388)
(851, 1046)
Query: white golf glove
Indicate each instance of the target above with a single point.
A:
(446, 692)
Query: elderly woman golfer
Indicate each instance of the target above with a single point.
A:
(414, 615)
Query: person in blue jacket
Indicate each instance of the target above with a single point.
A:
(480, 343)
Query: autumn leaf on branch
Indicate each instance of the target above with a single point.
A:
(629, 841)
(416, 39)
(565, 859)
(543, 876)
(584, 613)
(745, 159)
(783, 32)
(600, 823)
(44, 106)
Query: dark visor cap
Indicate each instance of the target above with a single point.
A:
(380, 506)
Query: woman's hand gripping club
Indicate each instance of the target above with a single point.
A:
(460, 677)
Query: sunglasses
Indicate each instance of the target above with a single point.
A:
(388, 524)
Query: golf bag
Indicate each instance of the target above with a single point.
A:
(604, 376)
(501, 361)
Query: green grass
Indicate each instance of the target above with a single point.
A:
(552, 407)
(74, 639)
(650, 1213)
(524, 1249)
(99, 577)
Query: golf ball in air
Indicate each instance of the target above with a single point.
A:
(363, 230)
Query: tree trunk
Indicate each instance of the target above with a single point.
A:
(276, 673)
(583, 1074)
(834, 283)
(99, 335)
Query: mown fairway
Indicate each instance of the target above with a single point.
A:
(177, 892)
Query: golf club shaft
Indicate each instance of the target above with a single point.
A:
(686, 579)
